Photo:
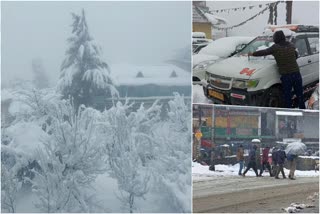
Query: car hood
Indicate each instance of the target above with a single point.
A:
(198, 58)
(243, 67)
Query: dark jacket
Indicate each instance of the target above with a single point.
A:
(284, 53)
(281, 156)
(274, 157)
(265, 155)
(252, 155)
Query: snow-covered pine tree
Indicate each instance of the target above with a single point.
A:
(84, 75)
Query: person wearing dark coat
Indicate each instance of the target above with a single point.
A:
(274, 161)
(280, 158)
(252, 161)
(265, 161)
(286, 57)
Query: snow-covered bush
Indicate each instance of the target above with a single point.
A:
(84, 74)
(70, 161)
(129, 148)
(9, 189)
(172, 164)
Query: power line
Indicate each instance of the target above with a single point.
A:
(268, 6)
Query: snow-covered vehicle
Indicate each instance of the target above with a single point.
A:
(216, 50)
(198, 46)
(243, 80)
(199, 38)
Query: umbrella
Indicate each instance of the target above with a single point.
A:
(256, 141)
(296, 148)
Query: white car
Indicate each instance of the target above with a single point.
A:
(214, 51)
(240, 80)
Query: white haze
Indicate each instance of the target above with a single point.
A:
(140, 33)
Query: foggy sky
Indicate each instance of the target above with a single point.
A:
(303, 12)
(129, 32)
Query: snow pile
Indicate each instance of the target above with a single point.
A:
(26, 138)
(198, 95)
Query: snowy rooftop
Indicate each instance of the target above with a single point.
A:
(164, 75)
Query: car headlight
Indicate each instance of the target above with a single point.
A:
(203, 65)
(243, 84)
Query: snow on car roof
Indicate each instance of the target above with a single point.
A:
(165, 74)
(198, 35)
(223, 47)
(286, 31)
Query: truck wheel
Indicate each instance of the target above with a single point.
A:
(273, 97)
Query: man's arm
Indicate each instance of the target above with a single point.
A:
(264, 52)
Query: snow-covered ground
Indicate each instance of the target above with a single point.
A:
(200, 172)
(198, 95)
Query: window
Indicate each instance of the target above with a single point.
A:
(301, 45)
(314, 44)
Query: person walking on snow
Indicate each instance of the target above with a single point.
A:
(265, 163)
(274, 160)
(292, 165)
(286, 57)
(281, 157)
(240, 158)
(252, 161)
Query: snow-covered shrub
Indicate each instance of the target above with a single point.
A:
(172, 164)
(129, 148)
(70, 161)
(84, 74)
(9, 189)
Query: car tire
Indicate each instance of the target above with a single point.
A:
(273, 97)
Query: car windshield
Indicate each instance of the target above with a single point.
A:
(260, 43)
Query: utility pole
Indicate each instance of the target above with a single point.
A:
(289, 12)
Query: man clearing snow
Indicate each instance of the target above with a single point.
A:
(285, 55)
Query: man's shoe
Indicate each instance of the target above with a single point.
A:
(276, 177)
(292, 178)
(284, 177)
(243, 175)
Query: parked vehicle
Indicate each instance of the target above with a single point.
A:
(215, 51)
(198, 46)
(255, 81)
(200, 38)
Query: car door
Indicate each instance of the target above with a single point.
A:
(304, 61)
(313, 44)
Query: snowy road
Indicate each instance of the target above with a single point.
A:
(251, 194)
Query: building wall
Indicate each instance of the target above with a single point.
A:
(202, 27)
(311, 126)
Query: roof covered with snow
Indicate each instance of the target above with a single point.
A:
(197, 16)
(164, 75)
